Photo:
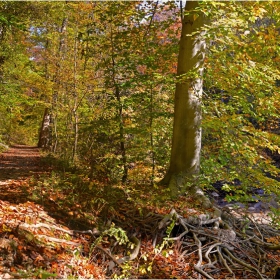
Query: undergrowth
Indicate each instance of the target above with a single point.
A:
(105, 216)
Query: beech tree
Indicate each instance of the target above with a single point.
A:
(186, 141)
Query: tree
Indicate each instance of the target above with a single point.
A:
(241, 71)
(186, 141)
(18, 112)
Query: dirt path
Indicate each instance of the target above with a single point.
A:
(17, 165)
(20, 162)
(33, 243)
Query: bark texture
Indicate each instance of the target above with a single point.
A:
(45, 132)
(186, 142)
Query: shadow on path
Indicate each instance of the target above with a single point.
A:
(26, 251)
(18, 164)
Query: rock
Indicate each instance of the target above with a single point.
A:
(6, 276)
(214, 194)
(273, 203)
(258, 191)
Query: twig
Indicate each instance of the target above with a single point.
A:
(205, 274)
(178, 237)
(224, 262)
(198, 243)
(151, 20)
(243, 263)
(198, 265)
(256, 226)
(108, 254)
(209, 251)
(230, 260)
(266, 244)
(134, 254)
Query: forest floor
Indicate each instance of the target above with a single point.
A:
(58, 224)
(33, 244)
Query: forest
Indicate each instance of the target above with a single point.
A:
(139, 139)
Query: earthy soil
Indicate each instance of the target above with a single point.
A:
(33, 243)
(19, 162)
(17, 165)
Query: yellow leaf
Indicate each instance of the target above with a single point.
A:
(90, 185)
(195, 16)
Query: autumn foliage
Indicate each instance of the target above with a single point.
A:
(96, 80)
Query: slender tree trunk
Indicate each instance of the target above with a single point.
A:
(152, 134)
(119, 112)
(61, 53)
(121, 132)
(75, 109)
(186, 141)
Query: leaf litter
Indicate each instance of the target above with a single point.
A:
(38, 238)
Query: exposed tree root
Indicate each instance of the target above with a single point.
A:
(127, 258)
(214, 245)
(221, 245)
(233, 248)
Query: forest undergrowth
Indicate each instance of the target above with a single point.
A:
(58, 223)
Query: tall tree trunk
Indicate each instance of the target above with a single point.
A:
(75, 107)
(186, 141)
(61, 53)
(119, 110)
(151, 120)
(121, 133)
(44, 134)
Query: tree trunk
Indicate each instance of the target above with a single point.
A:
(76, 103)
(151, 120)
(119, 110)
(61, 54)
(186, 141)
(121, 133)
(44, 135)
